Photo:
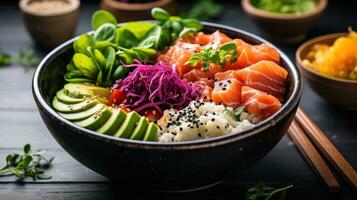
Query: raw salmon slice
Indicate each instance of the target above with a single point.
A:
(251, 54)
(266, 76)
(227, 92)
(260, 104)
(198, 73)
(178, 55)
(226, 75)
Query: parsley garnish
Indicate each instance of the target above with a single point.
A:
(208, 55)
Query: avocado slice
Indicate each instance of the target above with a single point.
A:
(72, 108)
(140, 129)
(114, 122)
(151, 132)
(96, 120)
(79, 90)
(126, 130)
(82, 114)
(63, 97)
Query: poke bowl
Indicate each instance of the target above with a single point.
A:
(174, 151)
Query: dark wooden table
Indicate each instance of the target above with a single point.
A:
(20, 123)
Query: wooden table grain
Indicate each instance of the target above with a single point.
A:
(20, 123)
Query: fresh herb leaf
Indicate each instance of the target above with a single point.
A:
(29, 164)
(236, 113)
(27, 59)
(160, 14)
(105, 32)
(208, 55)
(101, 17)
(134, 40)
(5, 59)
(204, 10)
(261, 191)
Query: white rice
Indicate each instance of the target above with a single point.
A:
(200, 120)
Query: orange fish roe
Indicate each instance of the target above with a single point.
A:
(338, 60)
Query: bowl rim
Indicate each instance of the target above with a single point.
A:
(287, 107)
(249, 8)
(317, 40)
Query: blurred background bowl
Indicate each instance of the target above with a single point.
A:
(136, 11)
(50, 27)
(281, 27)
(341, 92)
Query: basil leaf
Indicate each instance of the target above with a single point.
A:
(85, 64)
(192, 23)
(105, 32)
(101, 60)
(120, 72)
(187, 31)
(159, 14)
(81, 44)
(101, 17)
(110, 56)
(126, 38)
(152, 38)
(139, 29)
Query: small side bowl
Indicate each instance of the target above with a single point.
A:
(284, 28)
(136, 11)
(341, 92)
(49, 30)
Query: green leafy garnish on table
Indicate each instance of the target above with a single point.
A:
(204, 10)
(261, 191)
(28, 164)
(209, 55)
(5, 59)
(27, 59)
(285, 6)
(99, 58)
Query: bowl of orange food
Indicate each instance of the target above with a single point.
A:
(328, 64)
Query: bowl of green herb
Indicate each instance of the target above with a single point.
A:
(285, 21)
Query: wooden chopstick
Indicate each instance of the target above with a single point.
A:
(312, 156)
(331, 153)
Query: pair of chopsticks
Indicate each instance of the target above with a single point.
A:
(307, 137)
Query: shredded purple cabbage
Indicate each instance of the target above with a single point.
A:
(156, 86)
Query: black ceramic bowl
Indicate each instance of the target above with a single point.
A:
(163, 166)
